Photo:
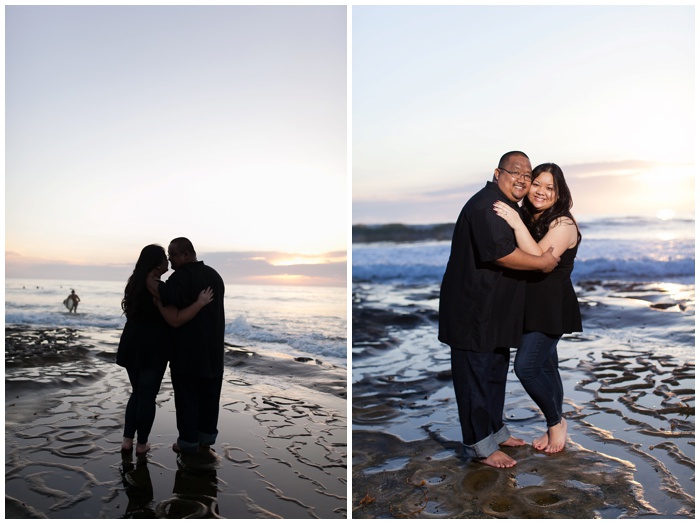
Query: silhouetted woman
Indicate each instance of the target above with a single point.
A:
(144, 345)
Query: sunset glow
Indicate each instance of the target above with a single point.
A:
(433, 115)
(287, 280)
(307, 260)
(129, 125)
(665, 214)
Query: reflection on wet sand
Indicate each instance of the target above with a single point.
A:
(281, 451)
(194, 491)
(629, 399)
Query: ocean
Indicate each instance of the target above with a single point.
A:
(299, 321)
(629, 384)
(282, 429)
(624, 249)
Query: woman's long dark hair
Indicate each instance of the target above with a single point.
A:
(151, 257)
(561, 208)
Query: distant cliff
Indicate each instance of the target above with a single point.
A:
(401, 233)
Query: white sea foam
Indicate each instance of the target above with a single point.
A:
(612, 249)
(299, 321)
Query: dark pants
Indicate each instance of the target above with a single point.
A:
(141, 407)
(537, 367)
(196, 410)
(480, 389)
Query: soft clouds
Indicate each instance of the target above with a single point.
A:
(329, 269)
(441, 92)
(625, 188)
(127, 125)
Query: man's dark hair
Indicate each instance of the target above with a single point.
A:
(507, 156)
(183, 244)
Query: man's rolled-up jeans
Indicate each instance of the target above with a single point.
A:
(196, 410)
(479, 381)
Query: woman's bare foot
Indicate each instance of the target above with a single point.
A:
(513, 442)
(557, 437)
(142, 448)
(541, 442)
(127, 444)
(498, 459)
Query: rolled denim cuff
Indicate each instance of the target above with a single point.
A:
(487, 446)
(188, 447)
(208, 440)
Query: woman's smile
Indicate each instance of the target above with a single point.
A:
(542, 194)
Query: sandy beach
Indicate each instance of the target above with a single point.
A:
(281, 450)
(629, 384)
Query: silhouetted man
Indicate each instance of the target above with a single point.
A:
(197, 362)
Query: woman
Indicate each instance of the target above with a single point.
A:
(551, 306)
(145, 343)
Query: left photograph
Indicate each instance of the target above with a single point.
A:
(176, 262)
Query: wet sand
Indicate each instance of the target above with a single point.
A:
(281, 450)
(629, 384)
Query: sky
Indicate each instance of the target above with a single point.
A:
(132, 125)
(440, 93)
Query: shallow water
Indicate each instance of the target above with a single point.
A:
(281, 452)
(629, 398)
(305, 321)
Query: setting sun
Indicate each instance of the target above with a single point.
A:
(665, 214)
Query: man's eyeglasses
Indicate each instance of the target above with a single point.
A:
(525, 176)
(173, 255)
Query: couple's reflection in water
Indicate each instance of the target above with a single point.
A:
(194, 489)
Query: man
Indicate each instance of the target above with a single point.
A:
(197, 362)
(481, 308)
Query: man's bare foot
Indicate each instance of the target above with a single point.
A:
(541, 442)
(127, 444)
(142, 448)
(513, 442)
(498, 459)
(557, 437)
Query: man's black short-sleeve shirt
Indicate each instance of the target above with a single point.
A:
(198, 345)
(481, 303)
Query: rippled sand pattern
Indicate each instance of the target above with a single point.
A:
(629, 402)
(280, 453)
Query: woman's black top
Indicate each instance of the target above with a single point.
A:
(146, 339)
(551, 305)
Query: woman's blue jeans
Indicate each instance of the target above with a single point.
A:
(141, 407)
(537, 367)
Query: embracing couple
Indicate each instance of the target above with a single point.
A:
(507, 285)
(180, 321)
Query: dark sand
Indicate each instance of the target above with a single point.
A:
(629, 383)
(281, 451)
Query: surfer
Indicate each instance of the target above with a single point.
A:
(72, 302)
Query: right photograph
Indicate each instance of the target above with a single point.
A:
(523, 262)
